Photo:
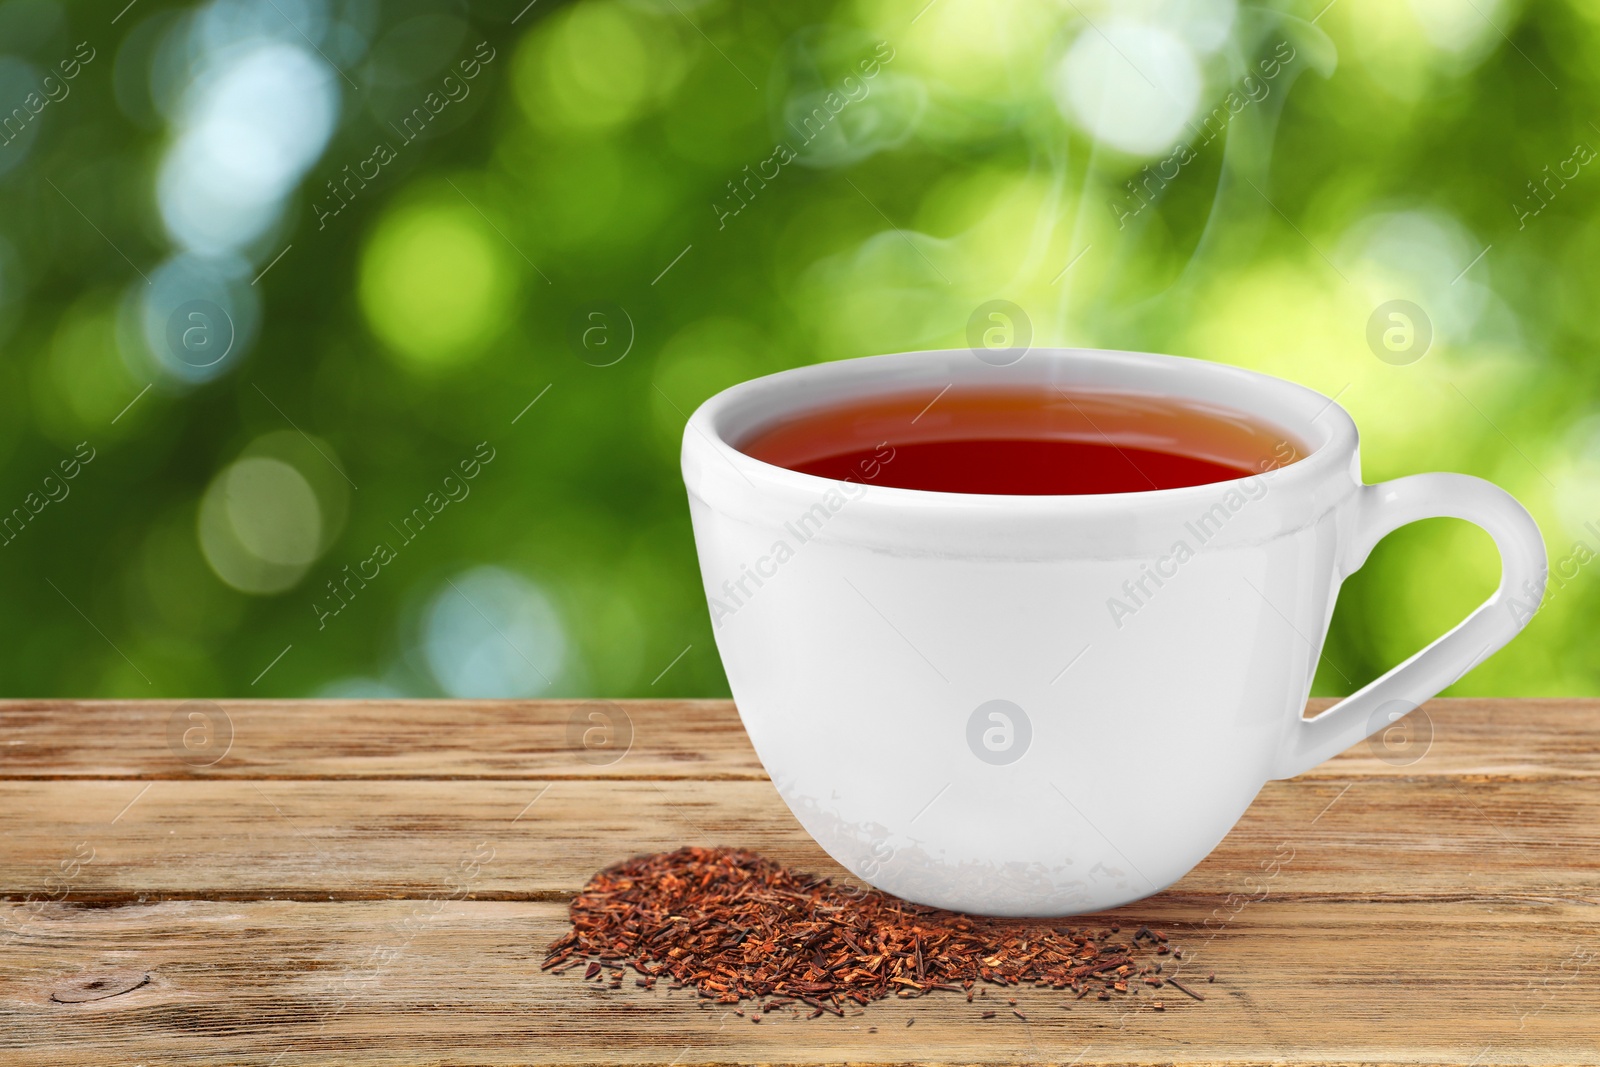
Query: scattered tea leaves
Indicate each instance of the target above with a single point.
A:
(735, 926)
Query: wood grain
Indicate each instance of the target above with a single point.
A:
(700, 739)
(1434, 838)
(458, 982)
(311, 897)
(378, 739)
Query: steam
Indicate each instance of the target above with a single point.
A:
(1122, 106)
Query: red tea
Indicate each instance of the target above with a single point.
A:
(1026, 442)
(737, 927)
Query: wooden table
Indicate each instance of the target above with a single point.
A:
(361, 883)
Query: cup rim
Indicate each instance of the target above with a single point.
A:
(1325, 429)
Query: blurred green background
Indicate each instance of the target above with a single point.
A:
(276, 278)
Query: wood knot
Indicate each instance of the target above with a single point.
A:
(90, 987)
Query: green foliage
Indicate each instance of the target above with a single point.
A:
(734, 189)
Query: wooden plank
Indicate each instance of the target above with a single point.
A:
(375, 738)
(1435, 911)
(279, 984)
(1365, 838)
(669, 739)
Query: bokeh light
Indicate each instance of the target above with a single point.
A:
(436, 284)
(279, 367)
(1131, 85)
(18, 79)
(260, 526)
(598, 65)
(491, 633)
(251, 125)
(83, 384)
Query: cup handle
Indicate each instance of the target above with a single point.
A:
(1380, 510)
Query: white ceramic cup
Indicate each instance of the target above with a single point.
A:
(936, 685)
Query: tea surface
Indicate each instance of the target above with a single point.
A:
(1024, 442)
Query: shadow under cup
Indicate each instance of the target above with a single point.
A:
(960, 694)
